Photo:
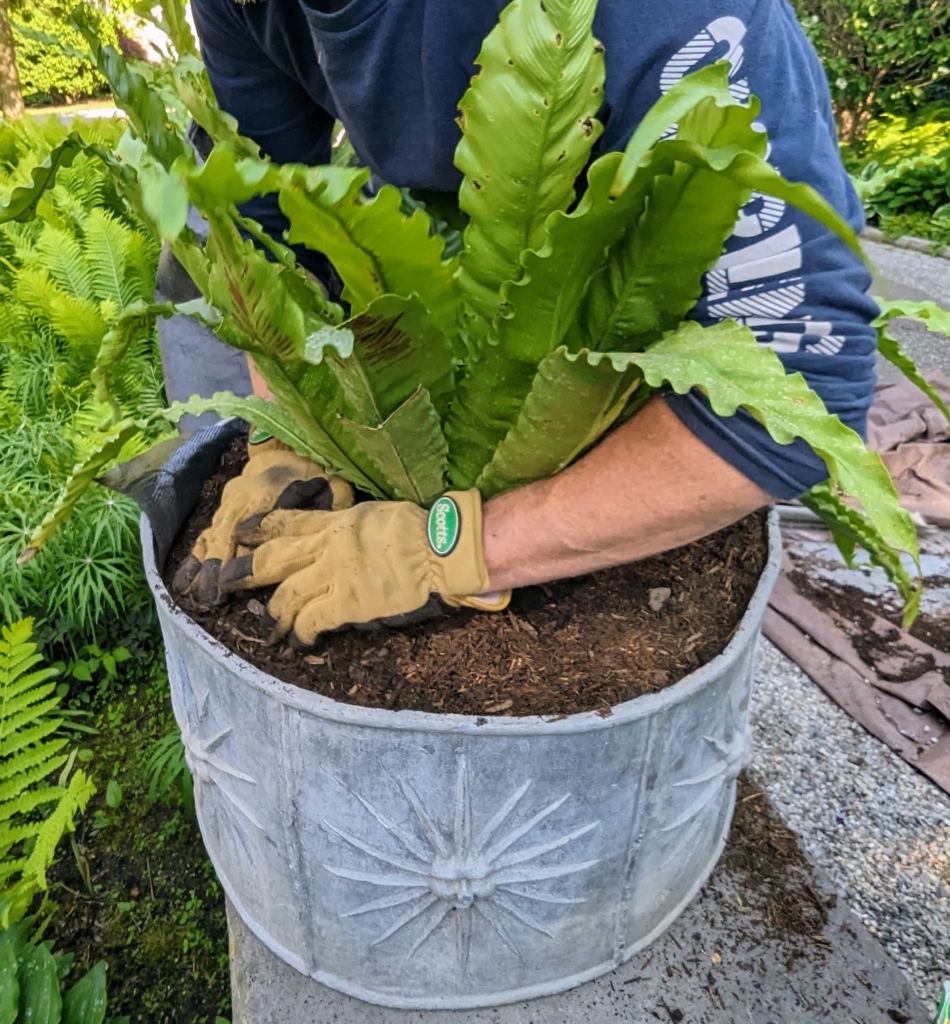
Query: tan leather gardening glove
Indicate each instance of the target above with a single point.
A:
(274, 478)
(371, 562)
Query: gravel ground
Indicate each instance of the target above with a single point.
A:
(904, 273)
(879, 829)
(929, 350)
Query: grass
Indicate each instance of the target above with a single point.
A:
(138, 889)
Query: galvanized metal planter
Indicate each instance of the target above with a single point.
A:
(445, 861)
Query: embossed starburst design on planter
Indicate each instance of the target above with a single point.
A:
(483, 874)
(209, 768)
(728, 757)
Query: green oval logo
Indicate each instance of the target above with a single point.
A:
(445, 526)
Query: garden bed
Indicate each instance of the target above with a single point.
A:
(141, 894)
(574, 645)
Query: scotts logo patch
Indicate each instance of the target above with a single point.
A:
(445, 526)
(259, 436)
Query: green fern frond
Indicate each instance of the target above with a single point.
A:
(63, 259)
(78, 794)
(16, 652)
(141, 264)
(16, 725)
(11, 835)
(29, 800)
(83, 184)
(29, 689)
(21, 240)
(26, 734)
(29, 754)
(33, 289)
(106, 244)
(9, 868)
(79, 321)
(108, 310)
(30, 767)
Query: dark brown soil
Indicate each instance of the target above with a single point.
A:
(933, 630)
(779, 881)
(879, 648)
(581, 644)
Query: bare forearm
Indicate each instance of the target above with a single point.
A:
(649, 487)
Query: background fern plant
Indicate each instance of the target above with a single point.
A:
(65, 278)
(30, 752)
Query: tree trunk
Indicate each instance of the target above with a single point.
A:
(847, 122)
(11, 98)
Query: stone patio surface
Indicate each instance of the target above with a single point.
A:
(717, 964)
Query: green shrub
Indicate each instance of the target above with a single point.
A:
(918, 225)
(48, 74)
(892, 138)
(64, 278)
(879, 55)
(903, 174)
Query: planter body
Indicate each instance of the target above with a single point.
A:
(423, 861)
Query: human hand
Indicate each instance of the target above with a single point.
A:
(274, 478)
(371, 562)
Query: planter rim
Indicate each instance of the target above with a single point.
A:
(488, 725)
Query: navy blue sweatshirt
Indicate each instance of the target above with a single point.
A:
(393, 71)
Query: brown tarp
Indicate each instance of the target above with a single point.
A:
(912, 435)
(902, 696)
(912, 716)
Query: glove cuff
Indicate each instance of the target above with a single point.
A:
(491, 601)
(454, 537)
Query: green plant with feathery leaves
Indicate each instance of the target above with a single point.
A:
(559, 318)
(65, 276)
(30, 752)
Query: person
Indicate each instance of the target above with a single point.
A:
(392, 71)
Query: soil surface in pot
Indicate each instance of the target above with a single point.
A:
(580, 644)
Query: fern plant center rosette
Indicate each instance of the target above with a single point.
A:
(425, 860)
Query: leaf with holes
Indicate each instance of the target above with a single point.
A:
(527, 131)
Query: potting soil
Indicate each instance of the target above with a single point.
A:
(581, 644)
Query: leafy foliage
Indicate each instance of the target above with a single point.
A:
(904, 174)
(541, 65)
(51, 73)
(30, 752)
(451, 370)
(32, 983)
(167, 769)
(881, 56)
(67, 278)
